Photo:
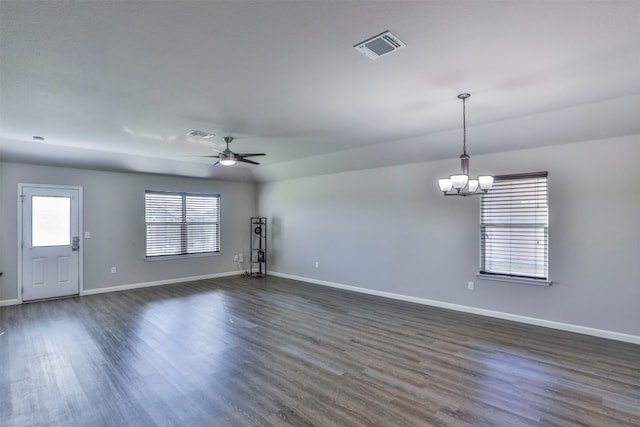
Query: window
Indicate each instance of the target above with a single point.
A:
(50, 221)
(514, 228)
(181, 223)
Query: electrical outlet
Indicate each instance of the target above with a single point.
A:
(317, 264)
(87, 234)
(240, 258)
(471, 286)
(114, 270)
(235, 258)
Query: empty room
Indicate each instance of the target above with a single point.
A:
(319, 213)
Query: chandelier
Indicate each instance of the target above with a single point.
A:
(460, 184)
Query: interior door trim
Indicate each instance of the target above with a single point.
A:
(21, 187)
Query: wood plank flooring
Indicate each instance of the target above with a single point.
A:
(271, 351)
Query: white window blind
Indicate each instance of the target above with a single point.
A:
(181, 223)
(514, 227)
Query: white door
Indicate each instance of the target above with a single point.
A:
(50, 242)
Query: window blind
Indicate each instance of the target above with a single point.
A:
(514, 227)
(181, 223)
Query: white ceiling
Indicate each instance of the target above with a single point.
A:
(115, 85)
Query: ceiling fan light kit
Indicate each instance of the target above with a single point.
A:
(227, 157)
(227, 162)
(460, 184)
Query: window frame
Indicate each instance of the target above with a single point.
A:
(184, 226)
(510, 275)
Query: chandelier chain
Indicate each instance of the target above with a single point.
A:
(464, 126)
(461, 184)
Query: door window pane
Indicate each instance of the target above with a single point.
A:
(50, 221)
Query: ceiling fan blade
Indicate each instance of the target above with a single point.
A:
(250, 154)
(228, 155)
(241, 159)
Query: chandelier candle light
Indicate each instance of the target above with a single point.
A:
(460, 184)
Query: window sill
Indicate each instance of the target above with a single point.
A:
(198, 255)
(511, 279)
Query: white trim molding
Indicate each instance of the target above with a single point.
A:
(117, 288)
(634, 339)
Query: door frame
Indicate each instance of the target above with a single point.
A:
(21, 186)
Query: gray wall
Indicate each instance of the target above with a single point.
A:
(389, 229)
(113, 211)
(384, 229)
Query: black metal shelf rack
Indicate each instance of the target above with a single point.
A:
(258, 254)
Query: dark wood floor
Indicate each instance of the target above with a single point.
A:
(241, 351)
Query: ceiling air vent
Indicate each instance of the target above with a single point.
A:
(380, 45)
(200, 134)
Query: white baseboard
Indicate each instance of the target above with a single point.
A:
(634, 339)
(156, 283)
(116, 288)
(457, 307)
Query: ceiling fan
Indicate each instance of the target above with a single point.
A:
(229, 158)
